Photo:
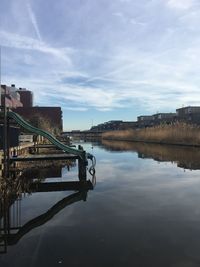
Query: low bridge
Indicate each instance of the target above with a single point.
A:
(83, 134)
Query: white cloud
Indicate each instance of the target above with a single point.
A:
(118, 14)
(33, 20)
(108, 60)
(75, 108)
(181, 4)
(13, 40)
(135, 22)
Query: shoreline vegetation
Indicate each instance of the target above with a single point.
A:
(178, 133)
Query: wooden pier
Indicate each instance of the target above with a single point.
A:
(61, 186)
(44, 157)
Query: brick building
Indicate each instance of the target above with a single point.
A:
(12, 98)
(26, 97)
(51, 114)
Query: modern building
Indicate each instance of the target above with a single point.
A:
(124, 125)
(189, 114)
(155, 119)
(145, 118)
(164, 116)
(185, 111)
(145, 121)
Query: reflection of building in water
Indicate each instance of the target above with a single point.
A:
(189, 165)
(157, 158)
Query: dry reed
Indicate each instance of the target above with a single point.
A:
(176, 133)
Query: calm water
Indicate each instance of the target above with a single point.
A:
(143, 211)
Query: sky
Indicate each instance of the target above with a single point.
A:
(103, 60)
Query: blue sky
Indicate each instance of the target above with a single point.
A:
(102, 60)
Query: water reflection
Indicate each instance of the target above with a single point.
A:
(141, 214)
(25, 180)
(182, 156)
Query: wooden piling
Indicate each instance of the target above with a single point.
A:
(82, 163)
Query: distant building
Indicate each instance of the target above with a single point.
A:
(107, 126)
(26, 97)
(185, 111)
(145, 121)
(128, 125)
(164, 116)
(114, 125)
(145, 118)
(189, 114)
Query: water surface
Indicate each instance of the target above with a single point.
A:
(143, 211)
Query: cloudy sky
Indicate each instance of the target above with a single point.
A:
(103, 60)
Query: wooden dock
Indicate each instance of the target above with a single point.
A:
(44, 157)
(61, 186)
(48, 146)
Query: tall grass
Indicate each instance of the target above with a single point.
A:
(177, 133)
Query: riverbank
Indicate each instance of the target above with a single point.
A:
(174, 134)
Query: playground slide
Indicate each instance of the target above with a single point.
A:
(45, 134)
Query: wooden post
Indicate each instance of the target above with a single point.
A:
(82, 163)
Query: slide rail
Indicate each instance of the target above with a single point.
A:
(47, 135)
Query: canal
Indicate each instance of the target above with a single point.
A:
(143, 211)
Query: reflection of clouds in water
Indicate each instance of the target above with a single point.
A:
(105, 171)
(148, 187)
(130, 170)
(136, 203)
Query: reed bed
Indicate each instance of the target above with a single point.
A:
(176, 133)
